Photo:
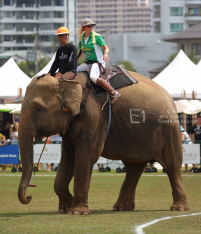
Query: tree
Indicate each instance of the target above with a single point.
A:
(29, 68)
(42, 63)
(128, 65)
(192, 57)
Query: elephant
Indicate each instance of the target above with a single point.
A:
(144, 129)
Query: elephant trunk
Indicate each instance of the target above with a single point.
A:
(26, 152)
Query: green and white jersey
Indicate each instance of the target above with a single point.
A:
(92, 47)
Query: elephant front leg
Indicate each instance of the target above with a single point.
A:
(82, 175)
(127, 192)
(63, 178)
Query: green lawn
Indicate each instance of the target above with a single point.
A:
(153, 201)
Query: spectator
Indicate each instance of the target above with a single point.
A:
(48, 142)
(3, 143)
(100, 165)
(6, 129)
(185, 140)
(14, 134)
(55, 139)
(196, 132)
(14, 137)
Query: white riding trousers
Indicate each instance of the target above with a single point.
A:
(94, 73)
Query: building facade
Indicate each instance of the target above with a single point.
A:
(171, 16)
(145, 51)
(119, 16)
(188, 40)
(22, 20)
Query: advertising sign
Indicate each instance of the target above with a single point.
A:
(9, 154)
(51, 153)
(191, 153)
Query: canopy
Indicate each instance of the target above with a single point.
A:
(187, 107)
(16, 110)
(46, 69)
(196, 103)
(12, 78)
(181, 74)
(9, 107)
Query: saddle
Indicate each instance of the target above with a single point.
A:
(117, 75)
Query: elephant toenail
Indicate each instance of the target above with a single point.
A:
(76, 213)
(181, 209)
(173, 209)
(85, 213)
(69, 213)
(114, 208)
(121, 209)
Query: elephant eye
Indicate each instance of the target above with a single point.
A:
(39, 109)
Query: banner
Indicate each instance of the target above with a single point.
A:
(51, 153)
(9, 154)
(191, 153)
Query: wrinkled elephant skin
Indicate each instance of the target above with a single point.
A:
(144, 129)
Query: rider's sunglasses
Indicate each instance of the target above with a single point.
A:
(90, 26)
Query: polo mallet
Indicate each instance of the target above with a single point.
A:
(34, 185)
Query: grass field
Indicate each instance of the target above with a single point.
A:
(153, 201)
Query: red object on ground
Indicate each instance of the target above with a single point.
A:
(32, 185)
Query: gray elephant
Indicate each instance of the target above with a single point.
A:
(144, 129)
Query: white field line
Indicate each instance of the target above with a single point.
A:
(139, 229)
(103, 175)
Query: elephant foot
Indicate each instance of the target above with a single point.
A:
(180, 206)
(124, 205)
(79, 210)
(64, 206)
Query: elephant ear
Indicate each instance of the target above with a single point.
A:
(71, 95)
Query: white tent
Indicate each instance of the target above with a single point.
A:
(196, 103)
(186, 107)
(181, 74)
(12, 78)
(46, 69)
(199, 66)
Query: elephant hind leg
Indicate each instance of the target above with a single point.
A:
(173, 168)
(127, 192)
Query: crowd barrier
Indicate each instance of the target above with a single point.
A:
(9, 154)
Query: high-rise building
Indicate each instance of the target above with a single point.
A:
(119, 16)
(21, 20)
(171, 16)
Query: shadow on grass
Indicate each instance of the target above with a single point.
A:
(93, 212)
(29, 214)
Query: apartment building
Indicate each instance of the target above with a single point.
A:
(21, 20)
(119, 16)
(171, 16)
